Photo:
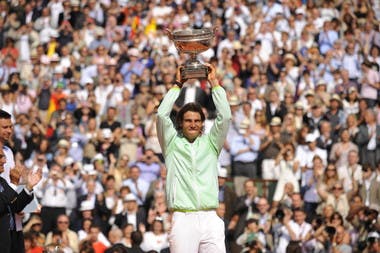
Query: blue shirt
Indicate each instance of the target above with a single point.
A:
(240, 142)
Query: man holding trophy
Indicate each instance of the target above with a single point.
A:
(191, 159)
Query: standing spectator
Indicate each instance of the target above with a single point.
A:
(134, 66)
(305, 154)
(131, 214)
(244, 209)
(54, 200)
(244, 149)
(270, 146)
(274, 106)
(368, 139)
(295, 230)
(370, 83)
(326, 139)
(252, 233)
(226, 194)
(139, 187)
(149, 166)
(335, 115)
(289, 171)
(369, 190)
(351, 171)
(340, 150)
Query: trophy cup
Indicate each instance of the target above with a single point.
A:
(193, 42)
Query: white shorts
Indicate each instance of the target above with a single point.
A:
(197, 232)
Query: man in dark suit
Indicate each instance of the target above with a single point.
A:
(99, 211)
(226, 194)
(193, 93)
(131, 213)
(274, 106)
(368, 140)
(11, 203)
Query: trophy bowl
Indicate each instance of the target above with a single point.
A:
(193, 42)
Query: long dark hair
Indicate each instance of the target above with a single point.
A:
(189, 107)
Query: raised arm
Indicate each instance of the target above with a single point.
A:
(165, 127)
(219, 130)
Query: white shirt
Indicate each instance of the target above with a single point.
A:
(55, 194)
(305, 156)
(10, 164)
(154, 242)
(300, 231)
(346, 173)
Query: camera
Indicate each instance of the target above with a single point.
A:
(280, 214)
(330, 230)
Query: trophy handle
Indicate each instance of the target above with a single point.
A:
(215, 29)
(169, 34)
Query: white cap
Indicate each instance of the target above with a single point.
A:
(86, 205)
(134, 52)
(300, 11)
(311, 137)
(244, 124)
(98, 157)
(89, 169)
(222, 172)
(54, 58)
(68, 161)
(130, 197)
(107, 133)
(129, 126)
(88, 80)
(63, 143)
(54, 33)
(58, 70)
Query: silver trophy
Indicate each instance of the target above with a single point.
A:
(193, 42)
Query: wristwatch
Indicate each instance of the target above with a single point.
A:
(178, 83)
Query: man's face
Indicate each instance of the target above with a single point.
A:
(63, 223)
(6, 129)
(94, 232)
(191, 125)
(3, 160)
(299, 217)
(263, 206)
(250, 188)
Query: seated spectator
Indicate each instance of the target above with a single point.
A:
(63, 234)
(155, 239)
(340, 150)
(335, 197)
(126, 239)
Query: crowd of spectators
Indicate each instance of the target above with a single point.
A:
(82, 80)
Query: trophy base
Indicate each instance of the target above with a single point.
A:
(194, 70)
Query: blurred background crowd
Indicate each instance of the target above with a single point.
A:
(299, 171)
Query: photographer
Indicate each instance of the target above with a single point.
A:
(294, 230)
(252, 233)
(54, 200)
(149, 166)
(373, 243)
